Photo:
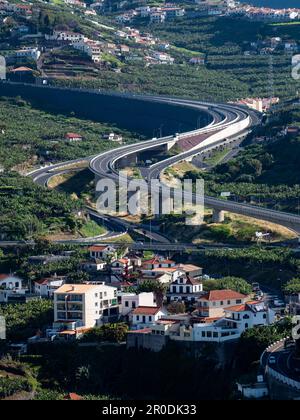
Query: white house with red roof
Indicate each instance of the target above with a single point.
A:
(214, 303)
(185, 288)
(144, 316)
(102, 252)
(237, 319)
(73, 137)
(131, 301)
(10, 282)
(47, 286)
(158, 262)
(10, 287)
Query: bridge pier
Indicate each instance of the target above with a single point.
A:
(218, 216)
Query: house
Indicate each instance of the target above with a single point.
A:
(173, 12)
(10, 282)
(162, 57)
(65, 36)
(123, 48)
(158, 262)
(157, 17)
(121, 266)
(146, 316)
(255, 389)
(113, 137)
(214, 303)
(21, 74)
(85, 304)
(31, 53)
(163, 278)
(73, 137)
(237, 319)
(191, 270)
(184, 288)
(131, 301)
(46, 287)
(293, 130)
(135, 259)
(103, 252)
(197, 61)
(93, 265)
(163, 275)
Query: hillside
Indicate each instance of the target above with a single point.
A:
(219, 58)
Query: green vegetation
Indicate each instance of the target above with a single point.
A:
(28, 211)
(272, 267)
(292, 286)
(232, 283)
(114, 333)
(15, 377)
(255, 340)
(267, 173)
(33, 136)
(24, 320)
(91, 228)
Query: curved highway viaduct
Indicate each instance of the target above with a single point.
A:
(228, 122)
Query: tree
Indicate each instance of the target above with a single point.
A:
(109, 332)
(176, 308)
(293, 286)
(159, 290)
(233, 283)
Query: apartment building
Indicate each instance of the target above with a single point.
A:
(86, 304)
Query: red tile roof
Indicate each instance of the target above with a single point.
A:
(222, 295)
(20, 69)
(237, 308)
(97, 248)
(73, 136)
(146, 310)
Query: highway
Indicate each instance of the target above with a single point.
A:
(227, 122)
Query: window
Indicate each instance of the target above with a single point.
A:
(228, 302)
(246, 325)
(203, 334)
(96, 294)
(238, 301)
(264, 316)
(215, 335)
(137, 317)
(105, 294)
(126, 303)
(150, 318)
(221, 303)
(209, 334)
(96, 303)
(133, 305)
